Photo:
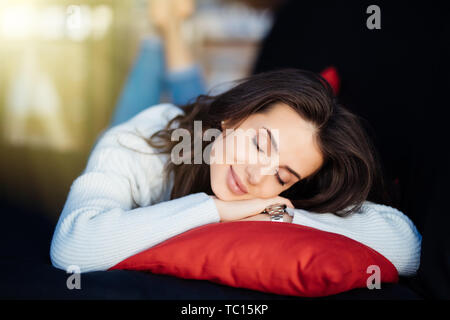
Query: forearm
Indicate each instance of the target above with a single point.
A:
(144, 82)
(177, 52)
(97, 238)
(184, 77)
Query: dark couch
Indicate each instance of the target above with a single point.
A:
(27, 273)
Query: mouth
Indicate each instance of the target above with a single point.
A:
(234, 183)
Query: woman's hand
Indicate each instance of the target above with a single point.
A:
(163, 12)
(240, 209)
(266, 217)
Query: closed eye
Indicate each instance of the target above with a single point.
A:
(260, 150)
(256, 144)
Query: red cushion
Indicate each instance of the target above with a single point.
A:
(281, 258)
(331, 75)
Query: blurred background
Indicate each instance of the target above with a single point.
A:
(63, 65)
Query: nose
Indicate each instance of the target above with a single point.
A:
(256, 172)
(253, 174)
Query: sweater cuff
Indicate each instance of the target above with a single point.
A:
(297, 217)
(182, 214)
(207, 210)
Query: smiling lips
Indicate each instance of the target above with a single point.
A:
(234, 184)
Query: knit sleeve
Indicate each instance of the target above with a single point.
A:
(382, 228)
(111, 212)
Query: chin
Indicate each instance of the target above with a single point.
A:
(219, 189)
(222, 193)
(226, 195)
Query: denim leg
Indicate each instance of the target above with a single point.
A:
(144, 83)
(185, 85)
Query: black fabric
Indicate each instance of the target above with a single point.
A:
(27, 273)
(397, 78)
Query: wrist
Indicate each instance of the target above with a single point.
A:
(218, 204)
(171, 32)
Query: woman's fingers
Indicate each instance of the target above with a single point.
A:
(283, 200)
(239, 209)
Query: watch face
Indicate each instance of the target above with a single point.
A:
(276, 209)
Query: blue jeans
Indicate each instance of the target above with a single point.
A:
(148, 79)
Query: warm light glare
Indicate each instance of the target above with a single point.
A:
(16, 21)
(55, 22)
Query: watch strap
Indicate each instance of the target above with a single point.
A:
(277, 217)
(276, 212)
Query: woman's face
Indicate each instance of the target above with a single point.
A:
(286, 143)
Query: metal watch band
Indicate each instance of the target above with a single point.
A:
(276, 212)
(275, 209)
(276, 218)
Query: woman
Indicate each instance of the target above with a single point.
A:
(135, 192)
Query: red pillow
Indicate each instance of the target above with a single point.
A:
(331, 75)
(281, 258)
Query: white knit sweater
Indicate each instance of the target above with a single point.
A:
(120, 206)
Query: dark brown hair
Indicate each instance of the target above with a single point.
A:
(351, 172)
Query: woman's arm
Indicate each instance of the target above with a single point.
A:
(382, 228)
(144, 83)
(185, 85)
(101, 223)
(184, 78)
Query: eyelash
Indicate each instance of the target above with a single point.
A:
(277, 175)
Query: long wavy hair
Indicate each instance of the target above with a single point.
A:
(351, 172)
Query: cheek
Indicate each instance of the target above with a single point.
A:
(235, 148)
(268, 191)
(214, 171)
(218, 174)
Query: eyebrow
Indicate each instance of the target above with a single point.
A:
(275, 146)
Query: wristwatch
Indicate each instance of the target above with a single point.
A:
(276, 212)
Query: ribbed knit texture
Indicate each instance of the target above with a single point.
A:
(120, 206)
(382, 228)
